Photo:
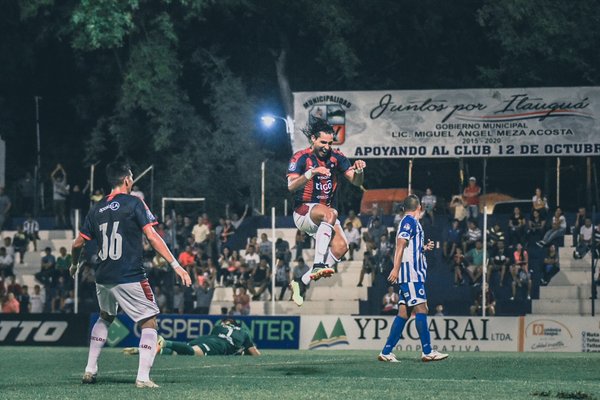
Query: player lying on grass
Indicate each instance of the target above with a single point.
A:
(410, 272)
(227, 338)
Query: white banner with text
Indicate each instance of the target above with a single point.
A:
(562, 121)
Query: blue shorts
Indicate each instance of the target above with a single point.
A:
(412, 293)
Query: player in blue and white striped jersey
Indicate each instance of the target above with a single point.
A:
(410, 272)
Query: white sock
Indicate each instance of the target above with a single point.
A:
(331, 260)
(148, 343)
(97, 340)
(322, 239)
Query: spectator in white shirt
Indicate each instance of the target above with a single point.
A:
(428, 203)
(200, 232)
(251, 258)
(353, 238)
(559, 227)
(6, 263)
(37, 300)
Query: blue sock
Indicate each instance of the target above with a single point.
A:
(423, 329)
(395, 333)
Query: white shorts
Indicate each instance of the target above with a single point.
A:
(136, 299)
(304, 222)
(412, 293)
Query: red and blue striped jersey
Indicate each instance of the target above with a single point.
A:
(320, 189)
(116, 224)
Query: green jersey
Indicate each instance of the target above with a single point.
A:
(224, 340)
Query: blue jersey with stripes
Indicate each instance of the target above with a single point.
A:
(414, 265)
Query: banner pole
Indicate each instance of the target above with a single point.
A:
(273, 261)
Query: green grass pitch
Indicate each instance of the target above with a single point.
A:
(55, 373)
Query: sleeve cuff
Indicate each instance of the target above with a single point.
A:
(83, 235)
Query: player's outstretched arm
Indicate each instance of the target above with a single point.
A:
(161, 248)
(252, 351)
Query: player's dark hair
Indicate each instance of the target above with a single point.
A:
(116, 172)
(315, 126)
(411, 203)
(230, 321)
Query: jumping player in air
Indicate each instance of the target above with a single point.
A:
(410, 272)
(227, 338)
(313, 176)
(116, 223)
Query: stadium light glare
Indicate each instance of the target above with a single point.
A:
(267, 120)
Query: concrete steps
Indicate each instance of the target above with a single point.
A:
(564, 307)
(337, 307)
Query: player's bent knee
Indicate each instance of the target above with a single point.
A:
(107, 317)
(148, 323)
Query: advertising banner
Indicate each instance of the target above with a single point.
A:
(447, 333)
(43, 330)
(560, 121)
(267, 332)
(562, 333)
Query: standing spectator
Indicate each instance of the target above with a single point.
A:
(10, 249)
(260, 279)
(187, 258)
(458, 266)
(375, 231)
(471, 197)
(457, 209)
(204, 295)
(475, 259)
(428, 201)
(11, 304)
(551, 265)
(559, 227)
(490, 303)
(224, 263)
(20, 242)
(384, 254)
(78, 203)
(265, 247)
(535, 227)
(539, 203)
(579, 221)
(520, 271)
(24, 300)
(59, 195)
(453, 239)
(584, 244)
(354, 220)
(6, 264)
(241, 301)
(299, 246)
(37, 300)
(32, 230)
(390, 302)
(352, 237)
(516, 228)
(63, 262)
(398, 215)
(500, 261)
(282, 250)
(5, 205)
(48, 269)
(200, 233)
(228, 231)
(471, 237)
(282, 276)
(236, 220)
(369, 263)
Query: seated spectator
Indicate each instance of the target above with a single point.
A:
(227, 232)
(475, 263)
(453, 240)
(24, 300)
(490, 303)
(68, 304)
(6, 264)
(12, 286)
(458, 266)
(428, 202)
(178, 300)
(516, 228)
(584, 244)
(535, 227)
(241, 301)
(187, 257)
(375, 231)
(10, 249)
(10, 305)
(20, 242)
(520, 271)
(539, 203)
(225, 263)
(260, 279)
(551, 265)
(204, 295)
(63, 262)
(495, 234)
(353, 238)
(500, 261)
(352, 218)
(384, 255)
(390, 302)
(398, 215)
(559, 227)
(251, 258)
(59, 293)
(368, 265)
(299, 243)
(282, 250)
(439, 311)
(32, 230)
(265, 247)
(471, 237)
(579, 221)
(282, 276)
